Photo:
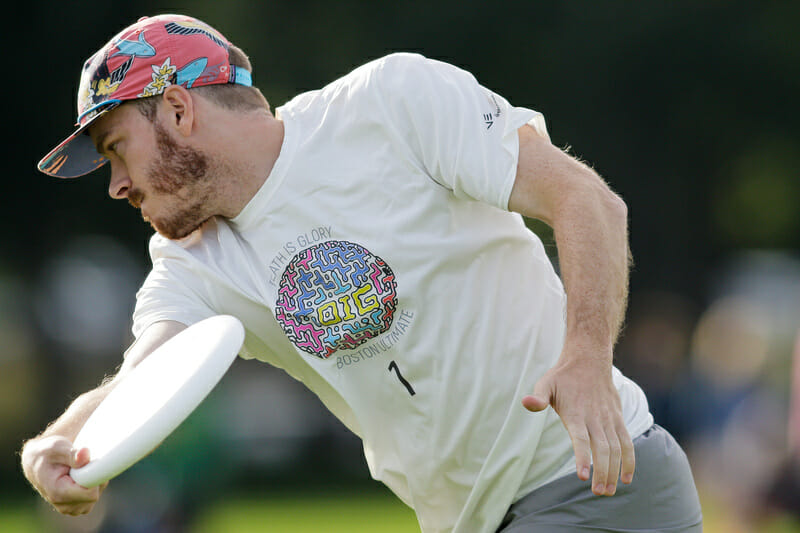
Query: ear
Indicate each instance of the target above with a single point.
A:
(178, 107)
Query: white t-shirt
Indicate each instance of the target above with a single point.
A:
(378, 264)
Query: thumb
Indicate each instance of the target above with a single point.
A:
(540, 398)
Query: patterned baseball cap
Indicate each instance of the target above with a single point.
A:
(142, 60)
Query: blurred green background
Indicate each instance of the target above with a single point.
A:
(688, 109)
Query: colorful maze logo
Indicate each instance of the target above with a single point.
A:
(334, 296)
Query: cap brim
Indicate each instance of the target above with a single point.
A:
(76, 155)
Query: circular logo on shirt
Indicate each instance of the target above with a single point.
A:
(334, 296)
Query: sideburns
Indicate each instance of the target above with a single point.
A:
(178, 164)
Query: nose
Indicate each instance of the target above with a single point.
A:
(120, 184)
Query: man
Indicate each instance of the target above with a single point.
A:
(368, 235)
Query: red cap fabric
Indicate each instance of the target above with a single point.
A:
(141, 61)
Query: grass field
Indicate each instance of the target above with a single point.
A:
(375, 513)
(331, 514)
(349, 512)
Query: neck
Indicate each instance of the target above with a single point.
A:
(251, 150)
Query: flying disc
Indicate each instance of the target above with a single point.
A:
(155, 397)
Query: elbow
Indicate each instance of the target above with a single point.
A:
(608, 202)
(618, 215)
(600, 199)
(617, 207)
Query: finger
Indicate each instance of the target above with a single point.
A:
(628, 459)
(535, 403)
(80, 458)
(600, 459)
(614, 458)
(540, 398)
(69, 491)
(583, 454)
(73, 509)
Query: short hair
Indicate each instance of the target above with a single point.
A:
(230, 96)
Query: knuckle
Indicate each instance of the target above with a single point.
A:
(615, 449)
(63, 508)
(602, 447)
(74, 508)
(626, 445)
(581, 437)
(86, 509)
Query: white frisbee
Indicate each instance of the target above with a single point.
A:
(157, 395)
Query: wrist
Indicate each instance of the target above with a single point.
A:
(587, 351)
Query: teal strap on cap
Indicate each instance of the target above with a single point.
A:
(241, 76)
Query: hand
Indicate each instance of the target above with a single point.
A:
(46, 463)
(583, 394)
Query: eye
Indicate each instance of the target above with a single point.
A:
(112, 150)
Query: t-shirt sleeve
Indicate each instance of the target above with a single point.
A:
(172, 289)
(464, 134)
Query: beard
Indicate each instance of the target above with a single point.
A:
(181, 172)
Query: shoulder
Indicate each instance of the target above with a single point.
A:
(386, 90)
(413, 81)
(377, 70)
(393, 73)
(391, 64)
(404, 71)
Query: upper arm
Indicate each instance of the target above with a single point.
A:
(460, 133)
(549, 181)
(154, 336)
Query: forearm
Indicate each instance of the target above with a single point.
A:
(71, 421)
(590, 226)
(592, 241)
(69, 424)
(46, 458)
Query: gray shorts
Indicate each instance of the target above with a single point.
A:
(662, 497)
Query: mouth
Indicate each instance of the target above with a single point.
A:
(138, 202)
(143, 211)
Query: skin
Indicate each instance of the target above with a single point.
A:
(590, 226)
(196, 162)
(46, 459)
(231, 154)
(148, 176)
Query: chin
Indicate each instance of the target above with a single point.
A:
(175, 233)
(173, 236)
